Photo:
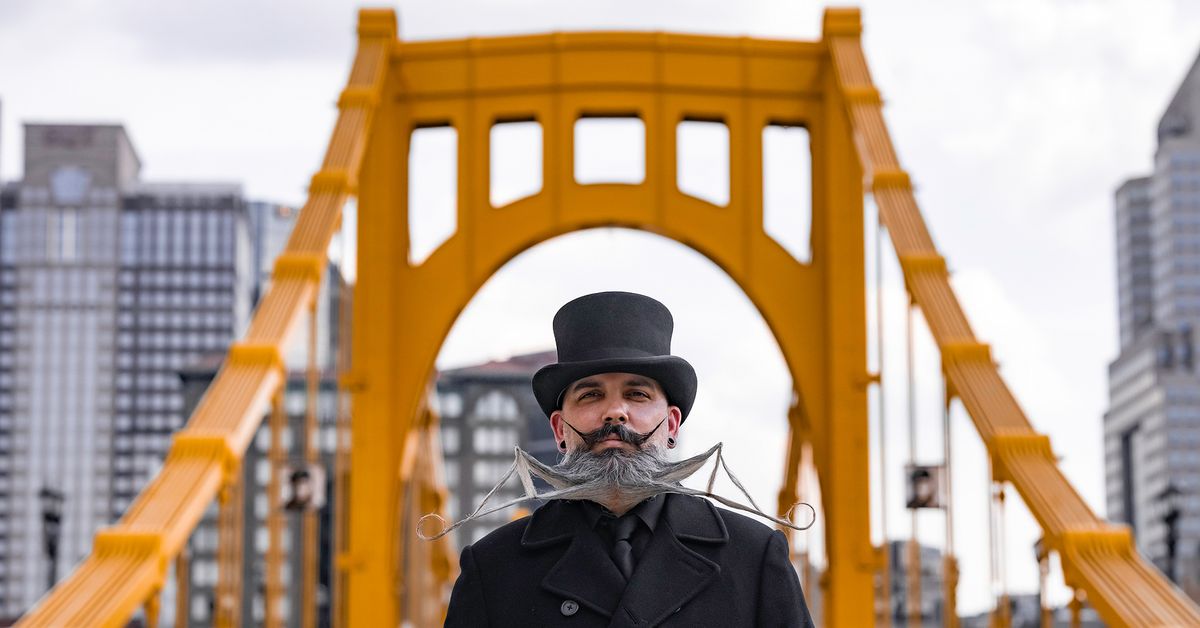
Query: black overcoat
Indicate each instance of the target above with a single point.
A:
(703, 566)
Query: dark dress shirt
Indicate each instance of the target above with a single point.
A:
(603, 521)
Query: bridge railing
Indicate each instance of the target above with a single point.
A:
(1097, 557)
(129, 561)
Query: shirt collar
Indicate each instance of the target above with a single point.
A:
(648, 511)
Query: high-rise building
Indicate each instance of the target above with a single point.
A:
(183, 292)
(1152, 427)
(485, 411)
(108, 286)
(59, 264)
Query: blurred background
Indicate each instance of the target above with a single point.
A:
(1052, 150)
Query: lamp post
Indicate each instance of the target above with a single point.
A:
(52, 507)
(1170, 498)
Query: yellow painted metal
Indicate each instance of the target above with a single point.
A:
(183, 581)
(949, 559)
(227, 611)
(273, 588)
(152, 608)
(950, 591)
(912, 580)
(816, 310)
(341, 463)
(1097, 557)
(129, 560)
(403, 312)
(312, 456)
(428, 569)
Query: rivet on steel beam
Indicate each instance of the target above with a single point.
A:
(842, 22)
(120, 541)
(352, 382)
(251, 354)
(893, 178)
(922, 263)
(1022, 443)
(966, 352)
(1114, 538)
(205, 446)
(358, 97)
(338, 180)
(376, 23)
(862, 95)
(299, 265)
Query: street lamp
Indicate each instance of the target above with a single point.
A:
(1170, 499)
(52, 507)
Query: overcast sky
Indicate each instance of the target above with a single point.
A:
(1016, 120)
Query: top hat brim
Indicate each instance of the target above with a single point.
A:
(674, 374)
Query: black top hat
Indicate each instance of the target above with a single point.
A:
(615, 332)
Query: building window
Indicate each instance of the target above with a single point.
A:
(450, 440)
(450, 405)
(496, 406)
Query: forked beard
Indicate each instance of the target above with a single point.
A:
(614, 477)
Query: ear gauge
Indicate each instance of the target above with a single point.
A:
(670, 442)
(562, 444)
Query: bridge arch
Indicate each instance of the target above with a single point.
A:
(557, 78)
(815, 310)
(744, 381)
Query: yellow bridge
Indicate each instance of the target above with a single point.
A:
(402, 312)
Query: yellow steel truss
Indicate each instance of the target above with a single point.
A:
(403, 312)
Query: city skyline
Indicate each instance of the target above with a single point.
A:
(1045, 300)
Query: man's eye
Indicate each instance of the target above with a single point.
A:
(640, 392)
(588, 394)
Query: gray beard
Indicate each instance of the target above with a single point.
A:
(615, 477)
(619, 479)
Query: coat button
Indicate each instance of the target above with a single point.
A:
(569, 607)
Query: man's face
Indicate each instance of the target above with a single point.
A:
(635, 401)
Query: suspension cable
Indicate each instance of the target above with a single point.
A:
(183, 578)
(228, 594)
(312, 457)
(1001, 615)
(1002, 555)
(341, 462)
(949, 561)
(277, 457)
(885, 567)
(913, 570)
(993, 577)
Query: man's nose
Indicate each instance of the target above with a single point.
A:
(616, 413)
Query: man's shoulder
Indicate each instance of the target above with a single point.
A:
(740, 527)
(503, 538)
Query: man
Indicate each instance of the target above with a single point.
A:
(616, 400)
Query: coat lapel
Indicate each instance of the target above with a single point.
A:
(670, 573)
(584, 573)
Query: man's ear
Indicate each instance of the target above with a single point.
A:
(674, 418)
(556, 424)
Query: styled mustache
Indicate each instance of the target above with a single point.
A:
(665, 477)
(620, 430)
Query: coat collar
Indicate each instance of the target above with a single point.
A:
(691, 518)
(668, 575)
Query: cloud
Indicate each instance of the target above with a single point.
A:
(234, 31)
(1016, 120)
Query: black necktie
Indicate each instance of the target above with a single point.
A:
(622, 551)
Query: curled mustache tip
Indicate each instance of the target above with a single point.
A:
(664, 480)
(790, 511)
(441, 522)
